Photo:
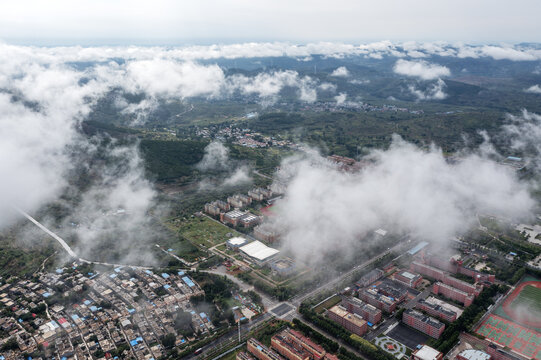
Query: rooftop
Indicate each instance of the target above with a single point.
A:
(408, 275)
(472, 354)
(234, 214)
(427, 353)
(236, 241)
(258, 250)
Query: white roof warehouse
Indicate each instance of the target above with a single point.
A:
(258, 251)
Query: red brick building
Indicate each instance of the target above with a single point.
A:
(453, 293)
(436, 310)
(423, 323)
(407, 278)
(350, 321)
(260, 351)
(368, 312)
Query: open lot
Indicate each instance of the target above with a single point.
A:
(204, 231)
(408, 336)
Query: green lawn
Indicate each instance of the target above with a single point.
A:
(530, 299)
(204, 231)
(328, 304)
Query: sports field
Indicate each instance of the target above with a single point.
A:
(506, 333)
(523, 305)
(516, 322)
(530, 300)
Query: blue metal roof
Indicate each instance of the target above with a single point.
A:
(417, 248)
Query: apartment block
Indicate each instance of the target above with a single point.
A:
(423, 323)
(350, 321)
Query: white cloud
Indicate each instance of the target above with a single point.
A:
(216, 157)
(534, 89)
(241, 176)
(268, 85)
(404, 190)
(523, 133)
(420, 69)
(433, 92)
(327, 87)
(341, 98)
(342, 71)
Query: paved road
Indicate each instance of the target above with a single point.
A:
(50, 233)
(68, 249)
(297, 300)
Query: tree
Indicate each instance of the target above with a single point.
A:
(183, 323)
(168, 341)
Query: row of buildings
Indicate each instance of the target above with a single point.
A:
(448, 285)
(287, 344)
(229, 212)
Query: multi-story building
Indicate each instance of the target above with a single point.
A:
(427, 270)
(316, 351)
(350, 321)
(249, 220)
(445, 278)
(368, 312)
(369, 278)
(393, 289)
(260, 194)
(232, 217)
(455, 266)
(380, 301)
(239, 201)
(222, 205)
(216, 207)
(436, 310)
(212, 209)
(241, 355)
(260, 351)
(263, 234)
(453, 293)
(423, 323)
(407, 278)
(286, 346)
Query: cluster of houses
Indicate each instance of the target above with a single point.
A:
(73, 314)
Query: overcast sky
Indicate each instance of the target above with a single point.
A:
(209, 21)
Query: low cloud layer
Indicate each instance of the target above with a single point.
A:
(376, 50)
(523, 134)
(534, 89)
(217, 161)
(435, 91)
(420, 69)
(404, 190)
(342, 71)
